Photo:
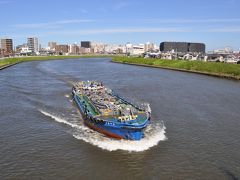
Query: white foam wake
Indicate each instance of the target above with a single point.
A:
(67, 95)
(153, 135)
(132, 146)
(60, 120)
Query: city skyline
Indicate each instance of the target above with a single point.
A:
(215, 23)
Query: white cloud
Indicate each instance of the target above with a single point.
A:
(72, 21)
(119, 30)
(70, 33)
(142, 30)
(179, 21)
(84, 11)
(120, 5)
(225, 30)
(59, 24)
(52, 25)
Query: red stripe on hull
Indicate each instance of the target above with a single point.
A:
(103, 131)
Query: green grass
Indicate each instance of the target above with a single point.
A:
(9, 61)
(211, 68)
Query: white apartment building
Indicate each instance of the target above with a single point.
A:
(98, 47)
(135, 50)
(32, 43)
(25, 50)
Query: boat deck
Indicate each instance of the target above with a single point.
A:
(90, 107)
(100, 102)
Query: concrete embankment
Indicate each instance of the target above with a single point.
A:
(7, 66)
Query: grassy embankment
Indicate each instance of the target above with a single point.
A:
(231, 71)
(10, 61)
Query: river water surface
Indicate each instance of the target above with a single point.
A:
(194, 133)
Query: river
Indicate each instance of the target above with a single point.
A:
(194, 132)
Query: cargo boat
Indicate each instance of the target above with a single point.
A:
(108, 113)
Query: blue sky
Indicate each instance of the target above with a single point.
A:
(214, 22)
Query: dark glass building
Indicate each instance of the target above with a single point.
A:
(86, 44)
(182, 47)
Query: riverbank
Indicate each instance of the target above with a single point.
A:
(230, 71)
(5, 63)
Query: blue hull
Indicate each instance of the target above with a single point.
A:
(118, 133)
(111, 129)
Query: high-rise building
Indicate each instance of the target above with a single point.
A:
(32, 43)
(97, 47)
(52, 45)
(7, 46)
(149, 47)
(1, 52)
(62, 49)
(74, 49)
